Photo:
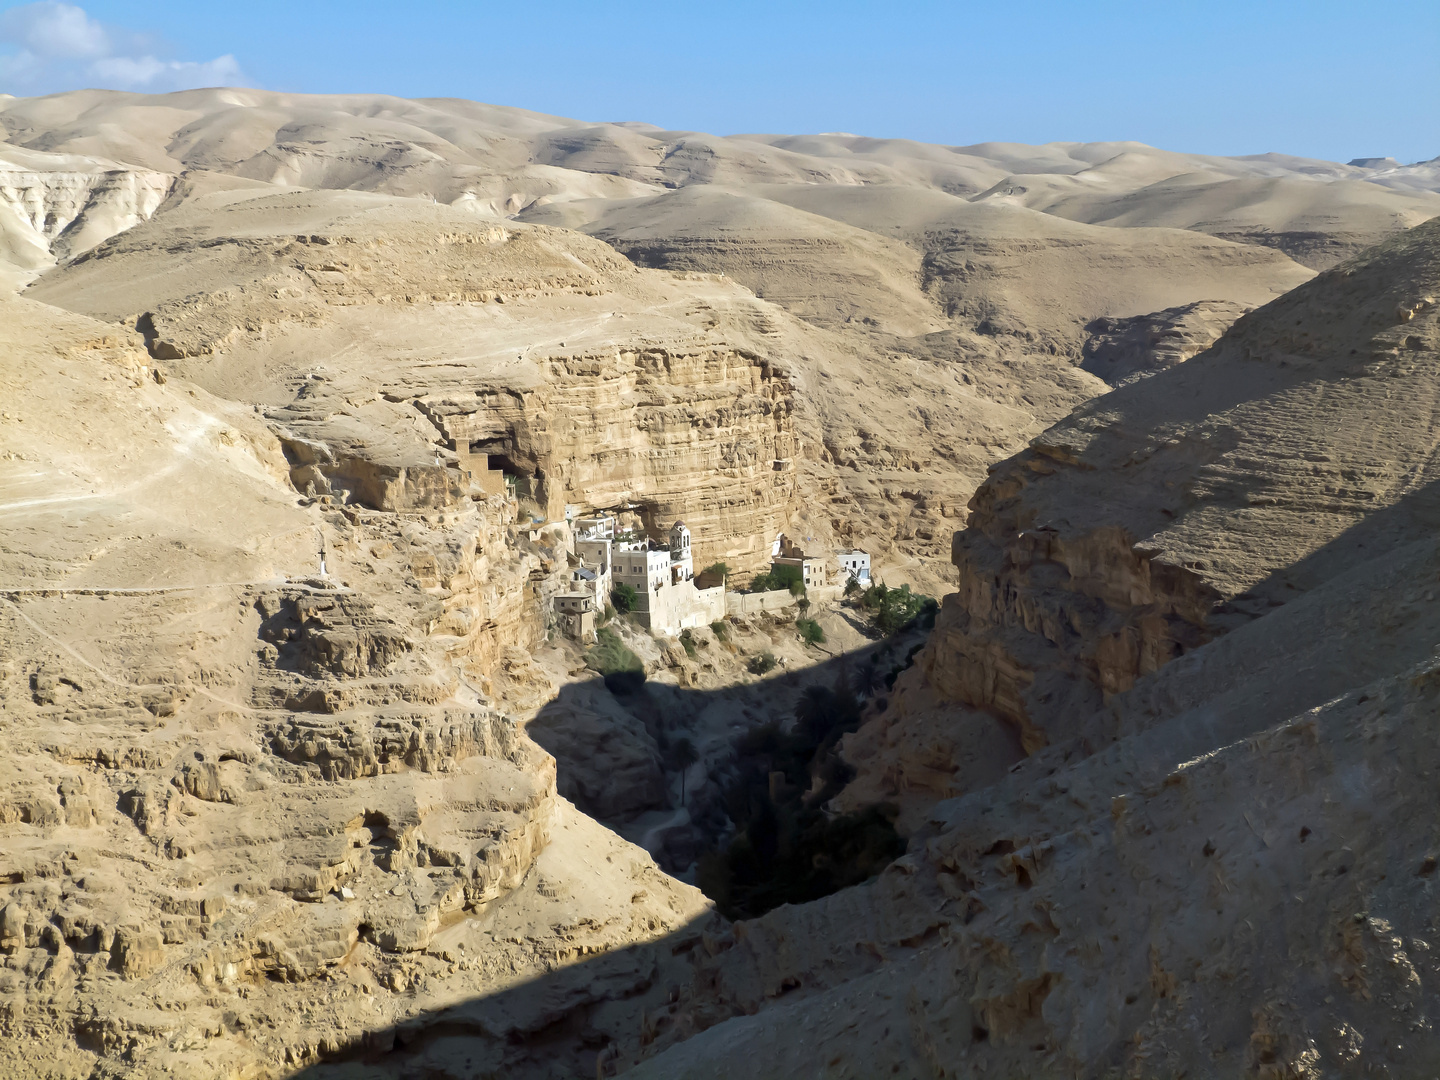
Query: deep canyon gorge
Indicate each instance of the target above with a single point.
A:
(306, 398)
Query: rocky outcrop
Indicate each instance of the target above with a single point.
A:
(56, 206)
(688, 415)
(1123, 350)
(611, 766)
(354, 802)
(706, 436)
(1205, 602)
(260, 808)
(1255, 909)
(1137, 530)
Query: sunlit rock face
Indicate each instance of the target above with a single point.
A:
(54, 207)
(272, 652)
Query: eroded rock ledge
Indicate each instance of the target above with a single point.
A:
(1167, 514)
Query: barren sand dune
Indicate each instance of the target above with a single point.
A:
(1159, 426)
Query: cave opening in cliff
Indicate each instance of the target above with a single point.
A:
(500, 459)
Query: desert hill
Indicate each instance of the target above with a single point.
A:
(914, 256)
(1214, 855)
(226, 709)
(278, 659)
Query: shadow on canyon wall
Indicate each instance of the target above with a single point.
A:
(726, 788)
(596, 1015)
(587, 1019)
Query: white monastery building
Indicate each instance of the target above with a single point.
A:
(855, 566)
(785, 552)
(662, 575)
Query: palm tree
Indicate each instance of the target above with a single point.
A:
(683, 753)
(814, 710)
(867, 678)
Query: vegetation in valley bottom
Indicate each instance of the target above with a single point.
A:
(786, 849)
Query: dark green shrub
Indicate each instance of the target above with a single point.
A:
(622, 669)
(717, 568)
(624, 597)
(762, 664)
(810, 630)
(721, 629)
(688, 641)
(896, 609)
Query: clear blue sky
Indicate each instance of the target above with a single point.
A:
(1321, 79)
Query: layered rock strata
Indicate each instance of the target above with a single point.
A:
(1214, 855)
(56, 206)
(706, 436)
(259, 798)
(1122, 351)
(1255, 910)
(689, 414)
(1172, 511)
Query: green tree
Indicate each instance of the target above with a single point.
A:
(896, 609)
(867, 677)
(814, 711)
(787, 577)
(811, 631)
(624, 597)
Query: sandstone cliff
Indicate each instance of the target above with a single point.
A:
(250, 794)
(1212, 855)
(1171, 511)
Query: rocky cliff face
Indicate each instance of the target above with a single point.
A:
(1123, 350)
(702, 435)
(55, 206)
(1139, 529)
(1205, 604)
(257, 806)
(642, 391)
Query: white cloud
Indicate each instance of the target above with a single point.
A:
(55, 31)
(146, 72)
(58, 46)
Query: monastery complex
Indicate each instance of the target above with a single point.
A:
(669, 598)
